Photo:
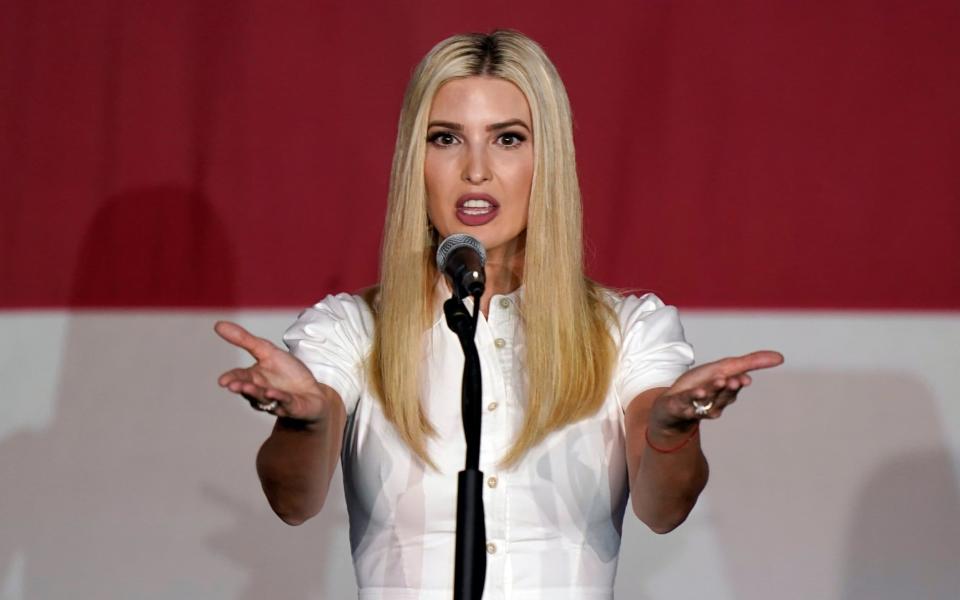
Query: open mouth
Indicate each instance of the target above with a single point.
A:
(476, 209)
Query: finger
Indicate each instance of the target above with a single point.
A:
(697, 408)
(235, 379)
(284, 402)
(762, 359)
(236, 386)
(278, 395)
(270, 400)
(262, 406)
(712, 399)
(252, 389)
(238, 336)
(257, 396)
(735, 365)
(715, 374)
(265, 395)
(232, 375)
(724, 398)
(731, 383)
(683, 406)
(254, 394)
(680, 407)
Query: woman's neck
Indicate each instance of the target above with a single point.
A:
(504, 272)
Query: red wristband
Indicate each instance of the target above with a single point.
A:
(646, 434)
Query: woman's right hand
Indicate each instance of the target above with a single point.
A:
(276, 376)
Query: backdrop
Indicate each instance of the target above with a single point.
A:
(784, 172)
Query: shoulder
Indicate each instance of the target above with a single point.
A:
(625, 302)
(344, 316)
(653, 350)
(332, 338)
(632, 312)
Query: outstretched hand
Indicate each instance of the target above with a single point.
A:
(277, 382)
(705, 391)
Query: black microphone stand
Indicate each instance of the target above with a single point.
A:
(470, 568)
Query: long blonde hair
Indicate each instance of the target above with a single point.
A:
(570, 353)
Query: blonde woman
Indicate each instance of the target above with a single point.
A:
(587, 395)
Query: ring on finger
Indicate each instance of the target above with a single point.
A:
(702, 410)
(269, 406)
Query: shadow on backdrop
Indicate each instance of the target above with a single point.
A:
(847, 490)
(904, 541)
(143, 485)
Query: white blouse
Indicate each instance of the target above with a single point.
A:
(553, 522)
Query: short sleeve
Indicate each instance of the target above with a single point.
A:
(653, 351)
(333, 339)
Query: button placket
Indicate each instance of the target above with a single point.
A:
(499, 326)
(496, 324)
(496, 434)
(502, 326)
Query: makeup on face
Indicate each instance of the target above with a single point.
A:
(479, 161)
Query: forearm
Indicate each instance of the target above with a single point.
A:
(664, 486)
(297, 462)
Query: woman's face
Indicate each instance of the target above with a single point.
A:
(479, 162)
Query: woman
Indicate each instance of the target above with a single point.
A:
(587, 394)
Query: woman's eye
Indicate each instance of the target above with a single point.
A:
(442, 139)
(510, 139)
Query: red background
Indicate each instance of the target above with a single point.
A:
(732, 154)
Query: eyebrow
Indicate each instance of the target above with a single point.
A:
(491, 127)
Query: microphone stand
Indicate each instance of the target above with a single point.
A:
(470, 567)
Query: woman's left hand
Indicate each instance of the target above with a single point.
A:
(705, 391)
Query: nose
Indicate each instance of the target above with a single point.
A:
(476, 170)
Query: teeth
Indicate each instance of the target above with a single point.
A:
(477, 206)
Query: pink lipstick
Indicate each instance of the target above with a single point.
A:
(476, 209)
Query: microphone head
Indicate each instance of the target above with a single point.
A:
(455, 242)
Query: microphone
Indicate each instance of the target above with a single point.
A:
(461, 258)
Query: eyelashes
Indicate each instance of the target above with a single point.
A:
(443, 139)
(434, 138)
(518, 138)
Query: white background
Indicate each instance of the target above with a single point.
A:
(126, 473)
